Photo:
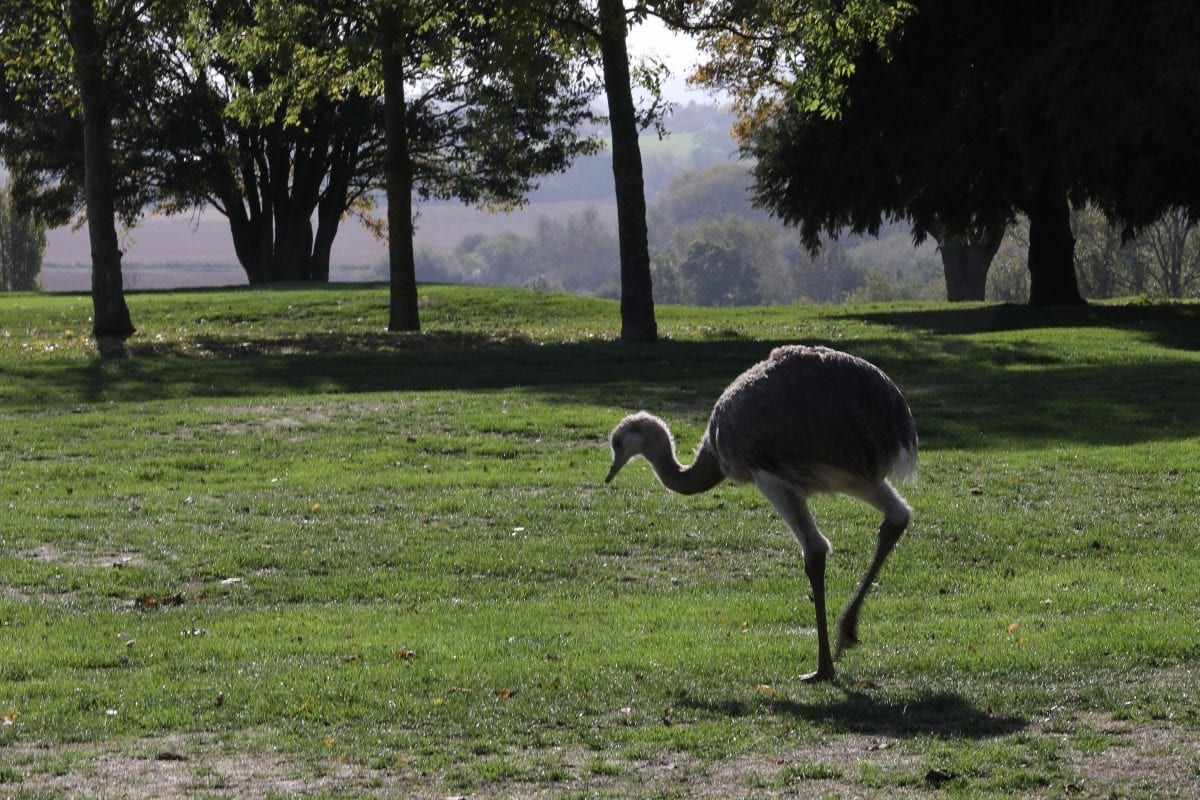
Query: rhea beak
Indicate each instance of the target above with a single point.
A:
(618, 462)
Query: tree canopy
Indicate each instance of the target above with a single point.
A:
(978, 111)
(77, 107)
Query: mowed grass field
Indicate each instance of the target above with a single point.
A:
(275, 551)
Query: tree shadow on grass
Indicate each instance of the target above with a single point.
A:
(965, 393)
(1169, 325)
(942, 714)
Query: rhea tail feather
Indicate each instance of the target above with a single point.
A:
(906, 466)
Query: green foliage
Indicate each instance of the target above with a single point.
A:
(41, 106)
(732, 261)
(773, 53)
(924, 132)
(22, 243)
(712, 193)
(501, 98)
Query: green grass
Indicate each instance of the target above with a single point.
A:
(274, 527)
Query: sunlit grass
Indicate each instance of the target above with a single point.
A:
(274, 523)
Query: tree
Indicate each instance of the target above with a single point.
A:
(22, 243)
(478, 100)
(1105, 262)
(637, 293)
(602, 26)
(695, 195)
(86, 68)
(978, 111)
(269, 128)
(727, 262)
(1172, 251)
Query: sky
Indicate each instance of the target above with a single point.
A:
(652, 38)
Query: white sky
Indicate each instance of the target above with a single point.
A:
(677, 51)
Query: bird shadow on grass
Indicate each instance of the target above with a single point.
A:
(942, 714)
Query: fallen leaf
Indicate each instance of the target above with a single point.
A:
(1016, 626)
(504, 694)
(765, 689)
(146, 601)
(316, 507)
(405, 655)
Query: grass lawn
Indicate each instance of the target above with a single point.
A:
(276, 551)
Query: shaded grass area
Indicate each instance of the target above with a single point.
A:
(273, 522)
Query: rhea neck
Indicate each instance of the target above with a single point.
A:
(703, 474)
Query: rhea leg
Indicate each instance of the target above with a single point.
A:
(896, 516)
(792, 506)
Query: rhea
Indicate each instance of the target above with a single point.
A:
(805, 421)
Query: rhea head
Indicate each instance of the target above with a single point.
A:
(638, 434)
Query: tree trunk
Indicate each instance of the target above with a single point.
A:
(293, 245)
(110, 315)
(966, 264)
(1051, 251)
(398, 177)
(329, 218)
(322, 248)
(637, 297)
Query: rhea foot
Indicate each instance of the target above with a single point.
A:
(847, 635)
(822, 675)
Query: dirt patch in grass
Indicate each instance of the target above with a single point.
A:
(53, 554)
(180, 766)
(245, 420)
(1118, 759)
(1126, 759)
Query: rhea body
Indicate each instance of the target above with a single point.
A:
(805, 421)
